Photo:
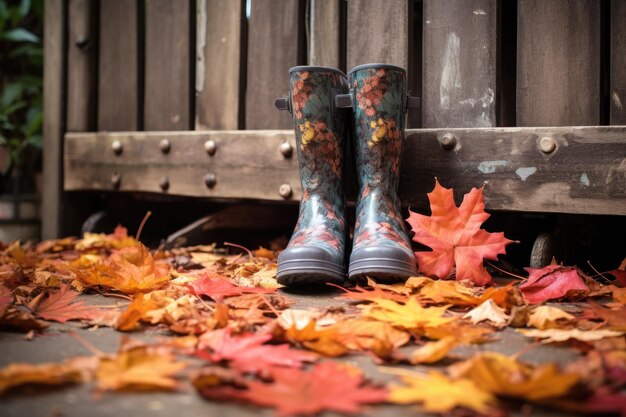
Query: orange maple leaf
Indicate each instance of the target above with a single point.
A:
(455, 237)
(62, 306)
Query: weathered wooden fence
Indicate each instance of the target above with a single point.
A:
(176, 97)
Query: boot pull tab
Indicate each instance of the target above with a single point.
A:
(413, 102)
(283, 103)
(343, 101)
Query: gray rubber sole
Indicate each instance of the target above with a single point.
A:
(383, 263)
(300, 272)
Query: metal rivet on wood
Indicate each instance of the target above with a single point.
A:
(547, 144)
(164, 183)
(210, 180)
(165, 145)
(286, 149)
(210, 147)
(285, 191)
(117, 147)
(116, 180)
(448, 141)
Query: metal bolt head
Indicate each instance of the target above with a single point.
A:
(165, 145)
(448, 141)
(164, 183)
(285, 191)
(286, 149)
(210, 180)
(116, 180)
(117, 147)
(210, 147)
(547, 145)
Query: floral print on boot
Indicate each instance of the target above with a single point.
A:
(315, 252)
(381, 246)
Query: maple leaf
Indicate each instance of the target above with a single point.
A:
(614, 318)
(71, 371)
(443, 292)
(361, 334)
(439, 394)
(547, 317)
(620, 273)
(553, 282)
(488, 311)
(455, 237)
(328, 386)
(321, 340)
(432, 352)
(563, 335)
(410, 316)
(220, 288)
(249, 353)
(61, 306)
(507, 377)
(6, 298)
(138, 368)
(370, 293)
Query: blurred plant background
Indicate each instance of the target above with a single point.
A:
(21, 93)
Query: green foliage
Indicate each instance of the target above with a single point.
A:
(21, 86)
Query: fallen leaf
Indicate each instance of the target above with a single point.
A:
(455, 237)
(218, 288)
(615, 319)
(369, 293)
(488, 311)
(432, 291)
(139, 368)
(360, 335)
(410, 316)
(548, 317)
(462, 331)
(432, 352)
(505, 376)
(71, 371)
(6, 298)
(248, 352)
(328, 386)
(553, 282)
(61, 306)
(563, 335)
(439, 394)
(16, 318)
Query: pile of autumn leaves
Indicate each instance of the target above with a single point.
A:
(235, 337)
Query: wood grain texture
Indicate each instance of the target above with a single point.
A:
(377, 32)
(218, 35)
(584, 174)
(167, 88)
(459, 63)
(53, 108)
(324, 39)
(118, 89)
(272, 50)
(81, 66)
(558, 63)
(618, 62)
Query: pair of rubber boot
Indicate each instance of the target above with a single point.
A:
(328, 107)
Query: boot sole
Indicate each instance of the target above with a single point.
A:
(381, 269)
(307, 272)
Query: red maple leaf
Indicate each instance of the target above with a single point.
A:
(552, 282)
(455, 237)
(248, 353)
(620, 273)
(61, 306)
(329, 386)
(220, 288)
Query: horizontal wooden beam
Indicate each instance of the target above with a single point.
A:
(578, 170)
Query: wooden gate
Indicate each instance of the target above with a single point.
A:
(176, 97)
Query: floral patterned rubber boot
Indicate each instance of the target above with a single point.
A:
(316, 251)
(381, 247)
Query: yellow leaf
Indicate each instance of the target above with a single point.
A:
(439, 394)
(488, 311)
(432, 352)
(410, 316)
(547, 317)
(505, 376)
(563, 335)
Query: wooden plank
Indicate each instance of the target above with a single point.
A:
(272, 50)
(81, 66)
(218, 49)
(377, 32)
(118, 83)
(167, 85)
(618, 63)
(459, 63)
(53, 105)
(325, 39)
(584, 173)
(558, 63)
